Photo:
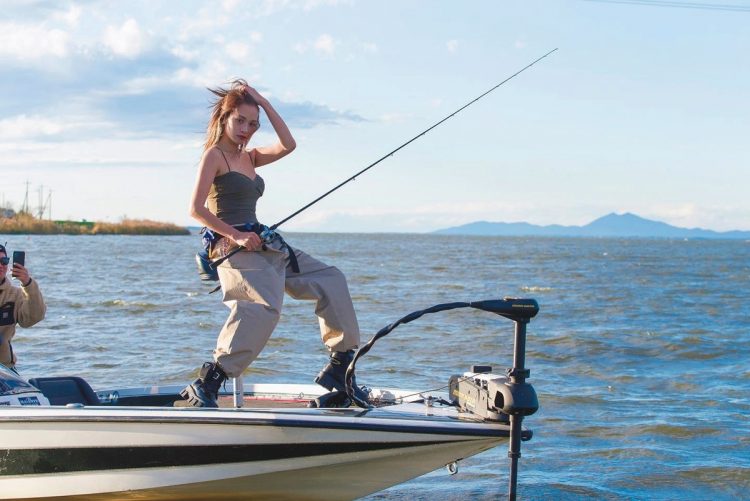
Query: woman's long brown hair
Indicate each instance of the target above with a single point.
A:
(227, 101)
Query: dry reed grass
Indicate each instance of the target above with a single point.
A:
(26, 224)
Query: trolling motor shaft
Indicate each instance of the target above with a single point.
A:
(506, 399)
(523, 401)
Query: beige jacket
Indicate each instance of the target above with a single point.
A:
(18, 305)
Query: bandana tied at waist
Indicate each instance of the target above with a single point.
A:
(211, 238)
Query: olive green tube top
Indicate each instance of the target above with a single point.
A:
(233, 196)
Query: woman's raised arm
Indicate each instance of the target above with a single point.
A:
(286, 144)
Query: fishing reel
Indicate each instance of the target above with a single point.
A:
(266, 234)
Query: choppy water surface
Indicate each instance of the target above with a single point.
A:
(639, 354)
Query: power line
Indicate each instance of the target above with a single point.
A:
(680, 5)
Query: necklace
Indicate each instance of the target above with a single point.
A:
(229, 152)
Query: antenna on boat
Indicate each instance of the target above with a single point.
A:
(270, 230)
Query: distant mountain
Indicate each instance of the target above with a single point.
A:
(611, 225)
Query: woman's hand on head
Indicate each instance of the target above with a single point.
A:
(250, 241)
(254, 94)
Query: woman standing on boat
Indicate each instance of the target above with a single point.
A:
(253, 281)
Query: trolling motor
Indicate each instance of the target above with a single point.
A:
(497, 398)
(505, 399)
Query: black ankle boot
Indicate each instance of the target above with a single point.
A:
(331, 400)
(333, 375)
(204, 391)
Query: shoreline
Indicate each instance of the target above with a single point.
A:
(28, 225)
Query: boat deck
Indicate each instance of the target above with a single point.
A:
(256, 402)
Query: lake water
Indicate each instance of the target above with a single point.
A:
(640, 353)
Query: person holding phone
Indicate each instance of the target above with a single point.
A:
(22, 305)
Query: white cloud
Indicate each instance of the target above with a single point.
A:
(113, 151)
(127, 40)
(205, 76)
(519, 44)
(269, 7)
(202, 26)
(23, 126)
(209, 75)
(718, 217)
(290, 96)
(314, 4)
(370, 48)
(230, 5)
(238, 51)
(71, 16)
(671, 211)
(452, 46)
(242, 52)
(28, 42)
(139, 86)
(325, 44)
(266, 8)
(184, 53)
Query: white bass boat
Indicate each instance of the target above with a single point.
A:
(62, 440)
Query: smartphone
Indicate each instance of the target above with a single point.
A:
(19, 257)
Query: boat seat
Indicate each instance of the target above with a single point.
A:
(65, 390)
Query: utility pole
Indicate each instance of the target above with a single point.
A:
(49, 205)
(25, 206)
(40, 206)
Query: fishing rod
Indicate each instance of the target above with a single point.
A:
(268, 233)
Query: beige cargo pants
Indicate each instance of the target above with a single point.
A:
(253, 284)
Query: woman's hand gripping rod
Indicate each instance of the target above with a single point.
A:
(268, 232)
(266, 235)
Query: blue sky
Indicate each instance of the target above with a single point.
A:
(644, 108)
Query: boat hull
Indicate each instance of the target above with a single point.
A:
(147, 453)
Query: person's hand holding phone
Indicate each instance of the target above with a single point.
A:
(19, 271)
